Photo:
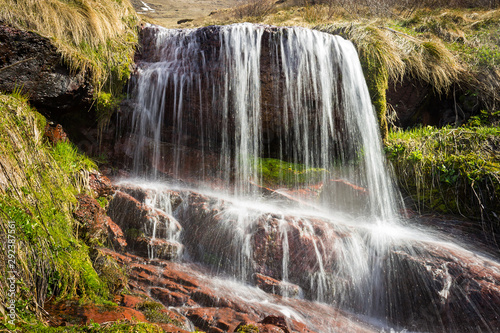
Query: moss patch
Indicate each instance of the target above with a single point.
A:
(273, 172)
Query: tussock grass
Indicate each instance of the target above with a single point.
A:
(95, 37)
(38, 184)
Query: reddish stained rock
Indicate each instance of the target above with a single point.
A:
(101, 185)
(55, 133)
(220, 318)
(126, 211)
(446, 288)
(93, 220)
(74, 313)
(273, 286)
(130, 301)
(155, 248)
(116, 235)
(97, 228)
(170, 298)
(278, 321)
(138, 221)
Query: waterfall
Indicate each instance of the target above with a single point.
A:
(262, 161)
(309, 105)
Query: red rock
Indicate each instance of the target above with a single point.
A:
(116, 235)
(55, 133)
(93, 220)
(273, 286)
(169, 298)
(278, 321)
(74, 313)
(101, 185)
(131, 301)
(219, 318)
(127, 212)
(155, 248)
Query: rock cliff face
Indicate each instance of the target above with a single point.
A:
(31, 64)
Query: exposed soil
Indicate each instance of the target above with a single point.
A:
(169, 13)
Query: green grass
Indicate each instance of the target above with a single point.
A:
(450, 170)
(38, 184)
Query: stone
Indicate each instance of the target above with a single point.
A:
(93, 220)
(31, 63)
(278, 321)
(101, 185)
(71, 312)
(55, 133)
(273, 286)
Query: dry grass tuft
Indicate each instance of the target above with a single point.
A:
(87, 32)
(255, 9)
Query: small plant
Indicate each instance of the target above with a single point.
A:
(248, 329)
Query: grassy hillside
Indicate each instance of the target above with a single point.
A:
(41, 256)
(38, 184)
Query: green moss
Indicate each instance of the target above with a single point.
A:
(276, 172)
(377, 79)
(118, 327)
(153, 313)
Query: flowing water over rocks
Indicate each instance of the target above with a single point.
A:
(225, 247)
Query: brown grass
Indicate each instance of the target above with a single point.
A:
(87, 32)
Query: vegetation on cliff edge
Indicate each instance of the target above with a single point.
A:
(450, 170)
(41, 256)
(97, 38)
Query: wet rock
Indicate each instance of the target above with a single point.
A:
(116, 236)
(155, 248)
(93, 220)
(168, 297)
(272, 286)
(223, 319)
(278, 321)
(444, 286)
(97, 228)
(127, 212)
(31, 63)
(71, 312)
(341, 193)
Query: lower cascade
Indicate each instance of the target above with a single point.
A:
(257, 157)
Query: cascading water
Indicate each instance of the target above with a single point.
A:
(318, 114)
(213, 104)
